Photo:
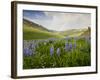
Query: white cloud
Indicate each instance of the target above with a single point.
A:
(62, 21)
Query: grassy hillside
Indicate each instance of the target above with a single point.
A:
(34, 25)
(33, 31)
(73, 32)
(86, 33)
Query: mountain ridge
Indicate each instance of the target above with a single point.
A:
(32, 24)
(35, 31)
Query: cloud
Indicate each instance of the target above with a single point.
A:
(60, 21)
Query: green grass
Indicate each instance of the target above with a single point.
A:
(33, 31)
(73, 32)
(79, 56)
(30, 33)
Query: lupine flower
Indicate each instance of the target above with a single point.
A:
(32, 46)
(70, 46)
(58, 51)
(27, 52)
(51, 50)
(67, 46)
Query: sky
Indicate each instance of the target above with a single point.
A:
(58, 21)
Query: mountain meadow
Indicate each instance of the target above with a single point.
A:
(44, 48)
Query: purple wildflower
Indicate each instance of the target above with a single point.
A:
(32, 46)
(67, 46)
(27, 52)
(58, 51)
(70, 46)
(51, 50)
(74, 45)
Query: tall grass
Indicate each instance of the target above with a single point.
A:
(56, 53)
